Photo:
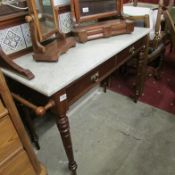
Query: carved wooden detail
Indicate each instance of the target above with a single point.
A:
(87, 10)
(61, 107)
(141, 69)
(103, 30)
(48, 42)
(7, 63)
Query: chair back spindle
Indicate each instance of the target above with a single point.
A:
(170, 27)
(158, 24)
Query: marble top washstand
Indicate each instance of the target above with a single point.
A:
(52, 77)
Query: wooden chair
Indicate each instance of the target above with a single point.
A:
(172, 13)
(156, 45)
(170, 26)
(171, 10)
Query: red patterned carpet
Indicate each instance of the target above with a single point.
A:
(160, 94)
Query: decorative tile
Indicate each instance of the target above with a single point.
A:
(65, 22)
(18, 37)
(26, 34)
(2, 35)
(11, 40)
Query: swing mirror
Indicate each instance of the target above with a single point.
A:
(96, 9)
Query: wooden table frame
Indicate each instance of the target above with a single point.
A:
(72, 92)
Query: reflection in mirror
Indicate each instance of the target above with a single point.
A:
(45, 15)
(92, 7)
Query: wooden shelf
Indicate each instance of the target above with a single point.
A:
(12, 19)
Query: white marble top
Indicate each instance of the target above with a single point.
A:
(52, 77)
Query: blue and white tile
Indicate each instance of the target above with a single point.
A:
(26, 33)
(11, 40)
(65, 22)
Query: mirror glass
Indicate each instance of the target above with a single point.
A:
(45, 15)
(92, 7)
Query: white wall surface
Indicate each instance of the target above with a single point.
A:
(61, 2)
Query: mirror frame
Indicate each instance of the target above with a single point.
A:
(50, 50)
(75, 8)
(33, 10)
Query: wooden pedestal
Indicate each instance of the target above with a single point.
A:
(103, 29)
(53, 50)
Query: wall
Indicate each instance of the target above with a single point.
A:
(60, 2)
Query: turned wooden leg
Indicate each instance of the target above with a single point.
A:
(25, 114)
(160, 66)
(141, 72)
(106, 83)
(61, 107)
(30, 126)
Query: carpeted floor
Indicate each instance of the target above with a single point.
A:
(160, 94)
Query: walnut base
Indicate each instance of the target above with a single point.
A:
(103, 29)
(54, 49)
(7, 63)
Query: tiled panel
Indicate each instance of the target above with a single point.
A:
(18, 37)
(26, 34)
(65, 22)
(11, 40)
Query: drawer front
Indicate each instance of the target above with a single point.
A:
(3, 110)
(18, 165)
(9, 141)
(78, 88)
(123, 56)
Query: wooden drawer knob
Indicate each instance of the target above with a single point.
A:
(132, 50)
(95, 77)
